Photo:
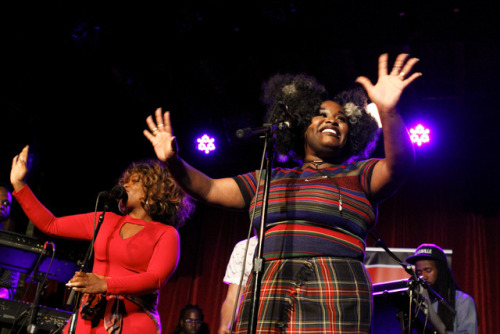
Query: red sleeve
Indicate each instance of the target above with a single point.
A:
(162, 265)
(75, 227)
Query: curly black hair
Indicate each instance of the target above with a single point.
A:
(298, 98)
(164, 201)
(363, 128)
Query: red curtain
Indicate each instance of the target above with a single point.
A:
(206, 245)
(431, 207)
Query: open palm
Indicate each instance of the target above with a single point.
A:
(160, 135)
(389, 87)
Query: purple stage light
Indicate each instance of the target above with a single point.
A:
(420, 135)
(206, 144)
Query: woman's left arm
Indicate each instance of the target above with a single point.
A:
(161, 266)
(389, 173)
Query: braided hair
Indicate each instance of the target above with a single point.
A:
(446, 287)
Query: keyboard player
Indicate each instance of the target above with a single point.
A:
(8, 278)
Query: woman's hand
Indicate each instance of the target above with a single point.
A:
(390, 172)
(19, 169)
(88, 283)
(160, 136)
(389, 87)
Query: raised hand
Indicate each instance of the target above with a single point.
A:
(19, 169)
(390, 85)
(160, 135)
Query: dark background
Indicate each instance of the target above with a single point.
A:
(77, 81)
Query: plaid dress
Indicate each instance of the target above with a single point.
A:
(311, 295)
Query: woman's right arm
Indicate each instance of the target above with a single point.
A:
(223, 192)
(76, 227)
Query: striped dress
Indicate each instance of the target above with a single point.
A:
(317, 221)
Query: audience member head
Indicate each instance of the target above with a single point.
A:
(5, 202)
(191, 321)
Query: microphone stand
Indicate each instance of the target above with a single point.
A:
(380, 243)
(258, 265)
(32, 327)
(83, 267)
(408, 269)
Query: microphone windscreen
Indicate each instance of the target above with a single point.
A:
(118, 192)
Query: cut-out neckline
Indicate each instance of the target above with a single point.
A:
(128, 230)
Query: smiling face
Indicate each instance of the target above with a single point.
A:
(326, 136)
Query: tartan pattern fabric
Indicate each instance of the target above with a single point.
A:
(114, 315)
(311, 295)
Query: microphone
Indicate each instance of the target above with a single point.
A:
(265, 128)
(118, 193)
(440, 299)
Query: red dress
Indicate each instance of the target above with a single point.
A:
(138, 265)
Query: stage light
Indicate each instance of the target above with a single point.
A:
(373, 111)
(206, 144)
(420, 135)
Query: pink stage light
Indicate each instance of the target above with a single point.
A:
(420, 135)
